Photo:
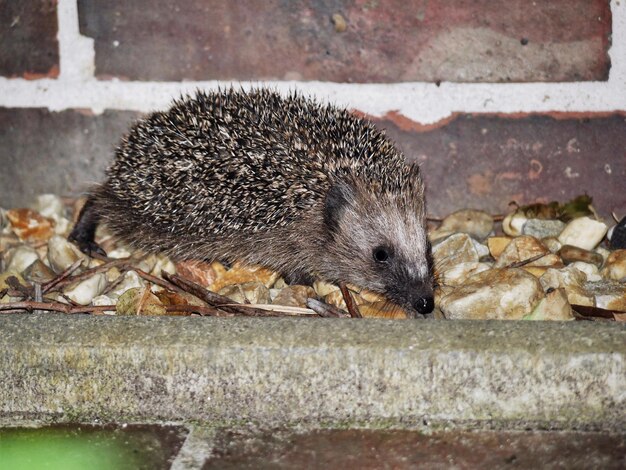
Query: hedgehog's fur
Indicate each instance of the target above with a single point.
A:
(306, 189)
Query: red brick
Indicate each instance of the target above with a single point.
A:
(383, 41)
(487, 161)
(398, 449)
(481, 161)
(28, 39)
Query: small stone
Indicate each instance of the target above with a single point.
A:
(62, 226)
(497, 245)
(7, 242)
(615, 266)
(280, 283)
(162, 264)
(554, 306)
(294, 296)
(240, 274)
(336, 298)
(103, 299)
(513, 224)
(453, 250)
(456, 275)
(253, 292)
(119, 253)
(524, 248)
(536, 271)
(49, 205)
(476, 223)
(38, 272)
(323, 288)
(62, 254)
(21, 258)
(540, 228)
(139, 301)
(482, 250)
(83, 292)
(197, 271)
(603, 252)
(383, 309)
(591, 271)
(583, 232)
(552, 243)
(131, 280)
(497, 294)
(366, 295)
(30, 226)
(608, 294)
(570, 254)
(570, 279)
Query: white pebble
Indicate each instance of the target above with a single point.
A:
(61, 253)
(583, 232)
(21, 258)
(83, 292)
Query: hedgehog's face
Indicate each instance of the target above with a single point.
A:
(380, 243)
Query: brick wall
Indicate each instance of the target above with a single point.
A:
(499, 100)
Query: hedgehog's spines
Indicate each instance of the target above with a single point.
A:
(234, 174)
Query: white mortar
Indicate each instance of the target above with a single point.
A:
(77, 87)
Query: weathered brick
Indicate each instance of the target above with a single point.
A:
(481, 161)
(390, 41)
(61, 152)
(28, 39)
(487, 161)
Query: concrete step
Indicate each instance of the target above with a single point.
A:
(277, 372)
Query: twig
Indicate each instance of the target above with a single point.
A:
(199, 309)
(325, 310)
(95, 270)
(159, 282)
(211, 298)
(29, 306)
(594, 313)
(47, 286)
(347, 297)
(142, 300)
(278, 310)
(518, 264)
(14, 284)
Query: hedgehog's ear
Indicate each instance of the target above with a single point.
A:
(338, 197)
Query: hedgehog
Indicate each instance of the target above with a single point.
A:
(310, 190)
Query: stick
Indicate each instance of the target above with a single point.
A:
(29, 306)
(199, 309)
(90, 272)
(159, 282)
(61, 277)
(347, 297)
(325, 310)
(211, 298)
(519, 264)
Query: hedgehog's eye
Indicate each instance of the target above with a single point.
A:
(381, 254)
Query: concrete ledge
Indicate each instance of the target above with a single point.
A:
(338, 373)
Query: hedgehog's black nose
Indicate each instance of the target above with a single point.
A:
(424, 305)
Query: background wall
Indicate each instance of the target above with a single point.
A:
(499, 100)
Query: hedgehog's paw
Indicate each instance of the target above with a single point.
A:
(87, 246)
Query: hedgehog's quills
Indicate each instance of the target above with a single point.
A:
(306, 189)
